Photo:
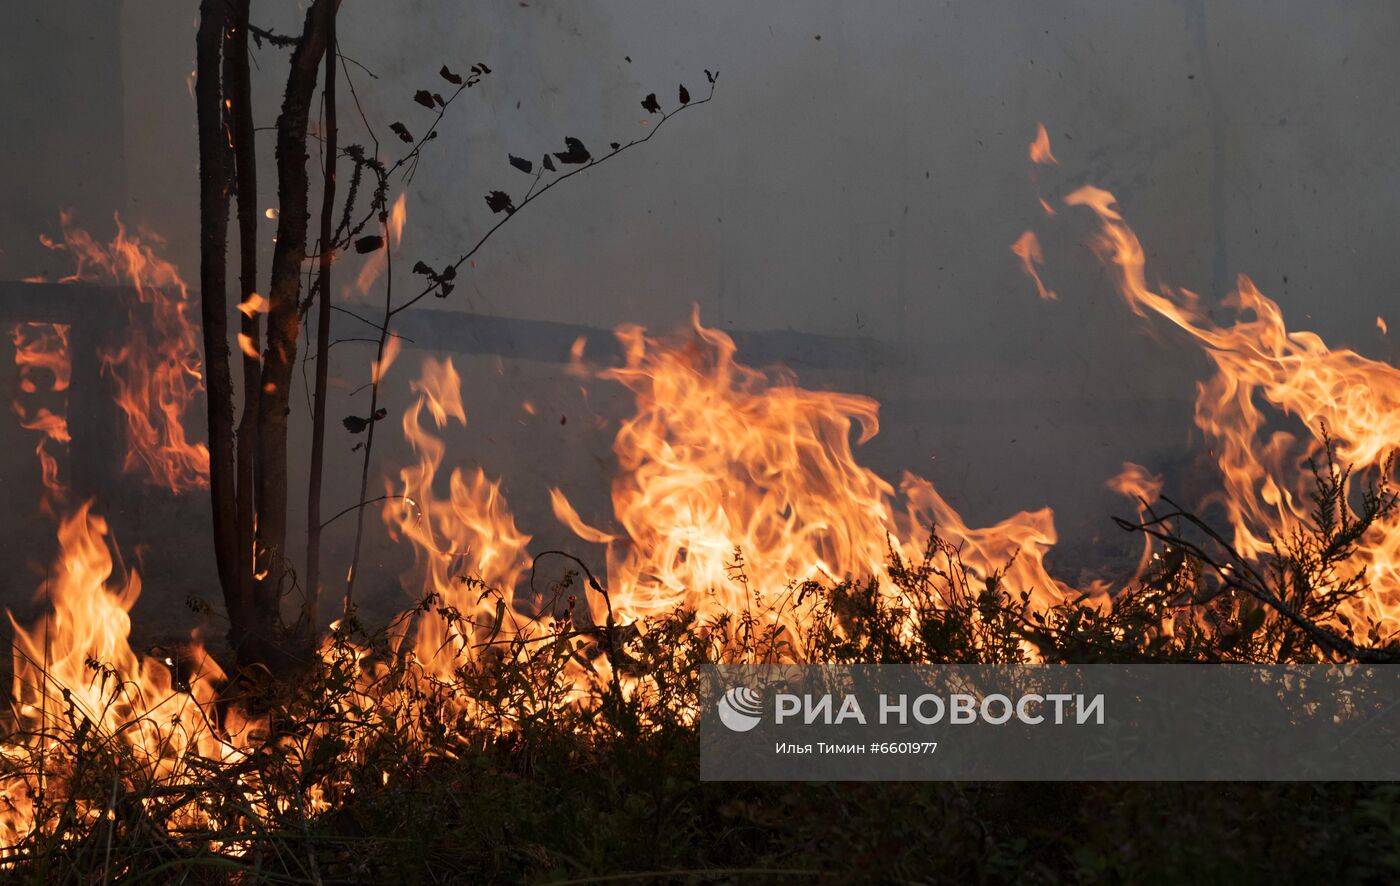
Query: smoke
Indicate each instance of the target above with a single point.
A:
(859, 177)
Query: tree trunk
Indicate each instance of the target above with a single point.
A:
(213, 235)
(283, 329)
(323, 337)
(245, 156)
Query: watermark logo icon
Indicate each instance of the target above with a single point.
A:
(741, 708)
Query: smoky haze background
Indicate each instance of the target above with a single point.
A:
(860, 175)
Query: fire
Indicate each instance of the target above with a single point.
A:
(1266, 468)
(1040, 147)
(45, 371)
(723, 464)
(463, 542)
(76, 669)
(735, 487)
(1137, 483)
(1027, 249)
(75, 672)
(378, 368)
(156, 369)
(253, 306)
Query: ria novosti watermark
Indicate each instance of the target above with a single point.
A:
(929, 709)
(1097, 722)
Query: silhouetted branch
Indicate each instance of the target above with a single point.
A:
(271, 38)
(533, 195)
(1236, 572)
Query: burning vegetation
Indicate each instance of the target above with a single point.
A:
(744, 528)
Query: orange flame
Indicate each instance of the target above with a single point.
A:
(1266, 471)
(45, 370)
(156, 369)
(1144, 488)
(1040, 147)
(735, 484)
(377, 368)
(468, 533)
(76, 665)
(1027, 249)
(252, 306)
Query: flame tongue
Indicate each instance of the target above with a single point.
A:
(735, 482)
(461, 542)
(1267, 473)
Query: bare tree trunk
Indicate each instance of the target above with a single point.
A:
(323, 336)
(213, 237)
(245, 155)
(283, 325)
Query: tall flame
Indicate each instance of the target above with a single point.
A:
(467, 534)
(378, 260)
(1040, 147)
(1027, 249)
(76, 669)
(156, 367)
(1266, 470)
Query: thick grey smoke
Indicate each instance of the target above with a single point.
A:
(860, 176)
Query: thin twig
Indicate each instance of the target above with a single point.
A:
(363, 504)
(534, 195)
